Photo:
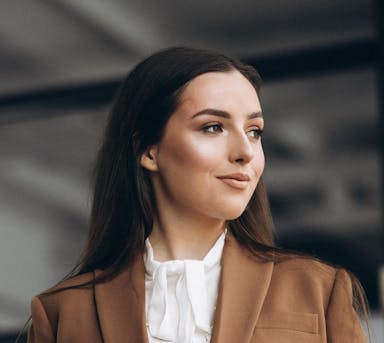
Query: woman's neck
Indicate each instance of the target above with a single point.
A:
(184, 240)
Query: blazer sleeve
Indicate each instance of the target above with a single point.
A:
(343, 323)
(40, 331)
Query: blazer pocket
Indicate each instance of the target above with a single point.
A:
(296, 321)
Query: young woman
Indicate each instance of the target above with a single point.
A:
(180, 247)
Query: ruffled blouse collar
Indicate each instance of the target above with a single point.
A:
(191, 287)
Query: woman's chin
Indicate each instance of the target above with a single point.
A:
(234, 216)
(232, 212)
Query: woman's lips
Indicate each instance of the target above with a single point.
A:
(235, 183)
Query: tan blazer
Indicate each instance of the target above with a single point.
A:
(295, 301)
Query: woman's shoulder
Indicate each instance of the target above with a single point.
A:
(69, 291)
(68, 297)
(80, 281)
(75, 293)
(305, 262)
(310, 269)
(311, 280)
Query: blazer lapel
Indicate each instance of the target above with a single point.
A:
(244, 283)
(121, 305)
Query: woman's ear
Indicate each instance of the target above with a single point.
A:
(148, 159)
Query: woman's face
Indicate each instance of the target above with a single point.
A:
(210, 158)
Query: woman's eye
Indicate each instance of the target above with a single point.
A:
(256, 133)
(213, 128)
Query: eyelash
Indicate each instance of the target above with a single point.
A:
(206, 128)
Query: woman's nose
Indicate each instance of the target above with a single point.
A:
(241, 149)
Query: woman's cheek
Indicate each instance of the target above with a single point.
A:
(197, 154)
(258, 162)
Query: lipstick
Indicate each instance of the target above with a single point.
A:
(236, 180)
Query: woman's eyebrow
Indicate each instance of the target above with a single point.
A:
(225, 114)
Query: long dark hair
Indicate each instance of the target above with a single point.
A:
(123, 203)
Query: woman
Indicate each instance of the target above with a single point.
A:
(180, 247)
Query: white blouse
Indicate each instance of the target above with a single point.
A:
(180, 296)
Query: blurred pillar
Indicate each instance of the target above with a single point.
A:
(380, 73)
(379, 17)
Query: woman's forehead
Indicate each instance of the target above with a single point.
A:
(223, 90)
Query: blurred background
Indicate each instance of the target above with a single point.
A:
(323, 68)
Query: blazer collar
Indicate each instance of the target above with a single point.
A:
(244, 283)
(120, 305)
